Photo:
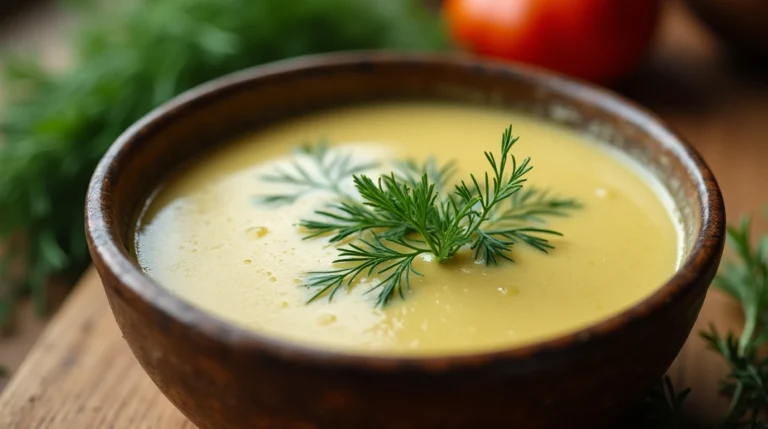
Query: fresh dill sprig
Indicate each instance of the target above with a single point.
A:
(533, 204)
(528, 206)
(392, 258)
(410, 213)
(534, 237)
(410, 171)
(328, 169)
(349, 218)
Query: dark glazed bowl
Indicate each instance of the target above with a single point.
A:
(224, 377)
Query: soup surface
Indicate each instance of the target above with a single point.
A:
(205, 237)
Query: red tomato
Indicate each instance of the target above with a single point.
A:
(598, 40)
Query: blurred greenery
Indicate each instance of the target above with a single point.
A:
(131, 57)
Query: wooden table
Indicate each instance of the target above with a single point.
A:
(81, 374)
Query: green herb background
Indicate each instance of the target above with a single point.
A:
(130, 57)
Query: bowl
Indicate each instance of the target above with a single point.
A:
(225, 377)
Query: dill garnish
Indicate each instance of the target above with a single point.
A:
(328, 170)
(532, 204)
(412, 212)
(410, 171)
(365, 258)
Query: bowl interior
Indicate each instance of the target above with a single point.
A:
(211, 114)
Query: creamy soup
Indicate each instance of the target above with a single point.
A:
(206, 237)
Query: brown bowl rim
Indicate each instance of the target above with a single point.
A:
(101, 227)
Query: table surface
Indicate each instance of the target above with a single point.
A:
(81, 373)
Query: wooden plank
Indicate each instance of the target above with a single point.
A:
(14, 347)
(81, 374)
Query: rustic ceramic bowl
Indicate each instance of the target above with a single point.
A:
(225, 377)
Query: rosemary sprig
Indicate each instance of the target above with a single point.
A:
(747, 282)
(746, 384)
(412, 212)
(663, 407)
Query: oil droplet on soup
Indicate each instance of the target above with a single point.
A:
(615, 251)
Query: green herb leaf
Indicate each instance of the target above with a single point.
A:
(328, 170)
(747, 282)
(349, 219)
(398, 217)
(132, 56)
(534, 205)
(410, 172)
(663, 407)
(375, 257)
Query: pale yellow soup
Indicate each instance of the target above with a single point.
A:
(204, 237)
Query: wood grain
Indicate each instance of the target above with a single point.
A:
(81, 374)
